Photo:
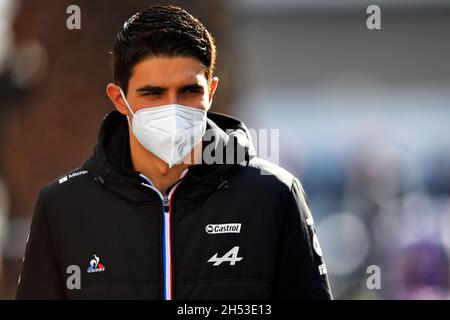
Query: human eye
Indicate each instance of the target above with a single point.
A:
(193, 90)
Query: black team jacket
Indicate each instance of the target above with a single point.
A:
(224, 231)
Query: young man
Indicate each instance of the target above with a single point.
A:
(159, 211)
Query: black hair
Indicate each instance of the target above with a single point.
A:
(161, 30)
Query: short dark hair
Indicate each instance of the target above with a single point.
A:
(161, 30)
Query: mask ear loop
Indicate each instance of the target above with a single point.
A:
(128, 106)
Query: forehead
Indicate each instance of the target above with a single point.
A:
(168, 71)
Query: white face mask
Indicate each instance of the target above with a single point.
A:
(170, 131)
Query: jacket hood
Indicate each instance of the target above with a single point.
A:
(110, 163)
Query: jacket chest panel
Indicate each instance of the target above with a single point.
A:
(212, 241)
(113, 245)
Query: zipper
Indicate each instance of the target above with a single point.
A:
(167, 249)
(166, 203)
(167, 234)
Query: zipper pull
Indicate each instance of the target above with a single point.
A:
(166, 203)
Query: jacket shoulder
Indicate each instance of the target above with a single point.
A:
(276, 173)
(73, 179)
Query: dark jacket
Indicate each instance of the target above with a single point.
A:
(229, 231)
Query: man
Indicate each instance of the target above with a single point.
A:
(173, 203)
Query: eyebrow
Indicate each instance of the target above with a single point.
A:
(157, 89)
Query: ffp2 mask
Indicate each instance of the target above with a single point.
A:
(169, 131)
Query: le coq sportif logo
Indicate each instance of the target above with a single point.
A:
(95, 265)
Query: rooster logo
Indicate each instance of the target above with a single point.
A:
(95, 265)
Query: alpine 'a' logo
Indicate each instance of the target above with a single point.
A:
(231, 257)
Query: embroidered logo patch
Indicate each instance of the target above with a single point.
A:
(95, 265)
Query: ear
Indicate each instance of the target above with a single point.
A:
(113, 92)
(214, 84)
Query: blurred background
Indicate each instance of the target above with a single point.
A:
(362, 115)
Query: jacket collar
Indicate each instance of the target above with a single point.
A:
(110, 163)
